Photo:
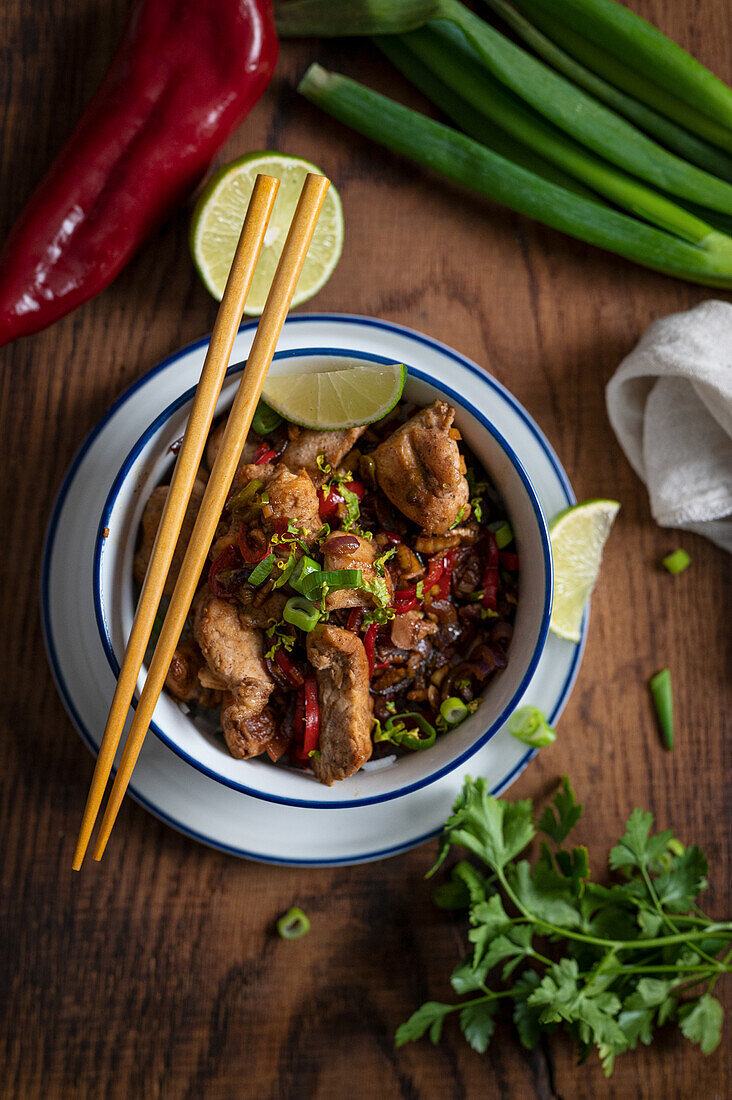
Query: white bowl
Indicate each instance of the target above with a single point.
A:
(151, 459)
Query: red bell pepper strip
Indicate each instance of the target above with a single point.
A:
(328, 505)
(289, 669)
(509, 560)
(369, 643)
(433, 574)
(405, 599)
(446, 575)
(298, 724)
(490, 576)
(228, 559)
(312, 716)
(355, 618)
(184, 76)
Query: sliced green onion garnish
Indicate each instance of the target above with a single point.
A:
(262, 569)
(503, 532)
(301, 571)
(677, 562)
(397, 732)
(453, 710)
(293, 924)
(301, 613)
(529, 725)
(332, 580)
(286, 572)
(660, 686)
(265, 419)
(246, 495)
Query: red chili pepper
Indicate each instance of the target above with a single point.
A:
(490, 576)
(357, 489)
(433, 574)
(289, 669)
(312, 716)
(230, 558)
(184, 76)
(328, 505)
(392, 537)
(264, 454)
(446, 575)
(404, 600)
(369, 642)
(354, 620)
(509, 560)
(298, 723)
(250, 554)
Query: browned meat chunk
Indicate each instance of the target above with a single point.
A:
(345, 704)
(305, 446)
(292, 496)
(234, 653)
(247, 735)
(151, 521)
(344, 550)
(409, 629)
(214, 442)
(420, 469)
(183, 680)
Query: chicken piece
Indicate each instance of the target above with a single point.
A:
(261, 615)
(345, 704)
(251, 446)
(344, 550)
(183, 681)
(234, 653)
(247, 735)
(151, 521)
(419, 468)
(292, 496)
(305, 446)
(409, 629)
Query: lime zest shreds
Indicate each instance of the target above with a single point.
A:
(676, 562)
(335, 19)
(333, 399)
(529, 725)
(293, 924)
(459, 158)
(551, 42)
(662, 693)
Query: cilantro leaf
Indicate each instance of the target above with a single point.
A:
(679, 886)
(477, 1023)
(429, 1018)
(492, 829)
(545, 893)
(557, 825)
(701, 1022)
(637, 848)
(526, 1016)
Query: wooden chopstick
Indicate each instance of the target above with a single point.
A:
(263, 348)
(186, 468)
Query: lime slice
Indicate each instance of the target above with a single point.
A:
(333, 399)
(578, 537)
(218, 217)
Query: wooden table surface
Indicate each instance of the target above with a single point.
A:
(157, 973)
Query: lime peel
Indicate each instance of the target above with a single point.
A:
(330, 400)
(578, 535)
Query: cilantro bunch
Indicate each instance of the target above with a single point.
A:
(608, 963)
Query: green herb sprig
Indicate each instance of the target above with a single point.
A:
(609, 964)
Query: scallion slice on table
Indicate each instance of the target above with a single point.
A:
(662, 693)
(465, 161)
(676, 562)
(293, 924)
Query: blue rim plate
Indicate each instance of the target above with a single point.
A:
(554, 678)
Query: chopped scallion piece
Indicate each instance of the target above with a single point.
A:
(246, 495)
(330, 580)
(286, 573)
(301, 571)
(301, 613)
(293, 924)
(395, 730)
(529, 725)
(503, 532)
(453, 710)
(265, 419)
(676, 562)
(660, 686)
(262, 570)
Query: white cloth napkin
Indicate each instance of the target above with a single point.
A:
(670, 404)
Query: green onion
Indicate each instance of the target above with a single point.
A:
(529, 725)
(475, 124)
(301, 613)
(330, 580)
(642, 49)
(293, 924)
(503, 532)
(583, 117)
(463, 160)
(395, 731)
(445, 51)
(287, 570)
(304, 568)
(660, 686)
(265, 419)
(334, 18)
(677, 562)
(680, 140)
(262, 570)
(245, 495)
(453, 710)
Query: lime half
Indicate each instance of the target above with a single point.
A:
(333, 399)
(578, 537)
(218, 218)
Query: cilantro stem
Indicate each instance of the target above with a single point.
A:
(664, 915)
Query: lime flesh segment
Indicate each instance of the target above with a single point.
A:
(328, 400)
(218, 218)
(578, 537)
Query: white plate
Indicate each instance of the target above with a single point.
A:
(171, 789)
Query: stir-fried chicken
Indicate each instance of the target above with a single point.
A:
(183, 680)
(420, 469)
(305, 446)
(291, 496)
(151, 521)
(344, 550)
(234, 654)
(342, 670)
(409, 629)
(249, 735)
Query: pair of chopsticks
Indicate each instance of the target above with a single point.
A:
(239, 421)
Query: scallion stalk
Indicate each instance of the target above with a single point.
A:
(583, 117)
(560, 47)
(465, 161)
(444, 50)
(334, 18)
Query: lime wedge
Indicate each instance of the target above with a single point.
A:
(333, 399)
(218, 217)
(578, 537)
